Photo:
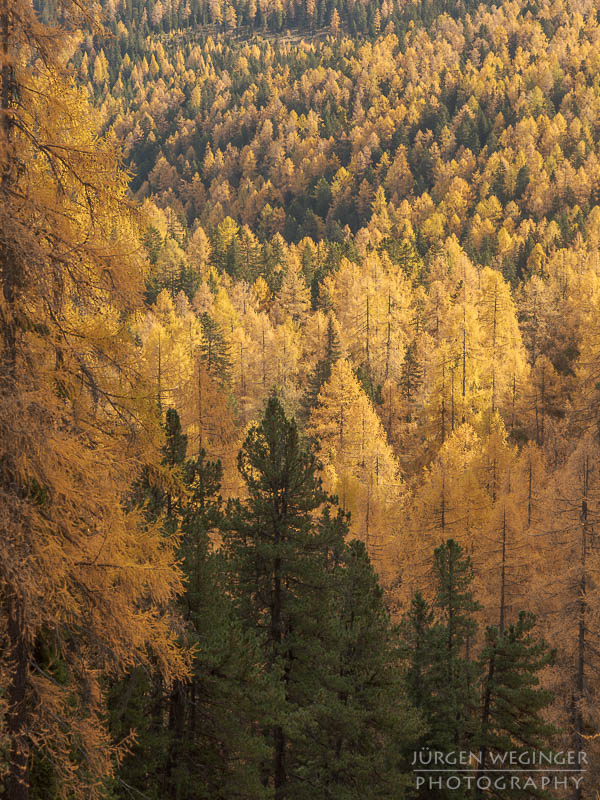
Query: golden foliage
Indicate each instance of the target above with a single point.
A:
(85, 581)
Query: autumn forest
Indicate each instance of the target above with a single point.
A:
(299, 397)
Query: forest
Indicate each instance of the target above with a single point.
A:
(299, 397)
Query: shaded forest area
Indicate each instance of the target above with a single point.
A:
(300, 394)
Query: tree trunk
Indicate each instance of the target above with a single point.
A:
(485, 720)
(177, 731)
(16, 785)
(582, 608)
(7, 259)
(279, 770)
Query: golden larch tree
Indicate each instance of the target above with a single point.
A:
(85, 580)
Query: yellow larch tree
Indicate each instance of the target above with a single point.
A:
(293, 299)
(167, 341)
(505, 552)
(567, 586)
(454, 386)
(85, 581)
(451, 501)
(359, 465)
(372, 302)
(503, 359)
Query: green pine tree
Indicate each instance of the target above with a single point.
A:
(455, 606)
(344, 723)
(278, 574)
(195, 740)
(404, 253)
(411, 374)
(214, 750)
(214, 349)
(365, 725)
(166, 493)
(513, 700)
(440, 668)
(322, 371)
(417, 647)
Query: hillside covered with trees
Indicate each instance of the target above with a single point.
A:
(299, 395)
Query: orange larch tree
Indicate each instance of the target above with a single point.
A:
(85, 581)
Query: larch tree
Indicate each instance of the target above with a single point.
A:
(566, 586)
(502, 352)
(504, 554)
(373, 305)
(165, 338)
(543, 401)
(455, 389)
(85, 580)
(451, 500)
(359, 465)
(293, 299)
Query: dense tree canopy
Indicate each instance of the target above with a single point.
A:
(300, 416)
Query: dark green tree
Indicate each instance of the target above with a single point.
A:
(322, 197)
(365, 726)
(343, 723)
(411, 373)
(214, 749)
(196, 740)
(404, 253)
(455, 607)
(277, 564)
(513, 700)
(522, 181)
(372, 389)
(214, 349)
(441, 672)
(322, 371)
(417, 647)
